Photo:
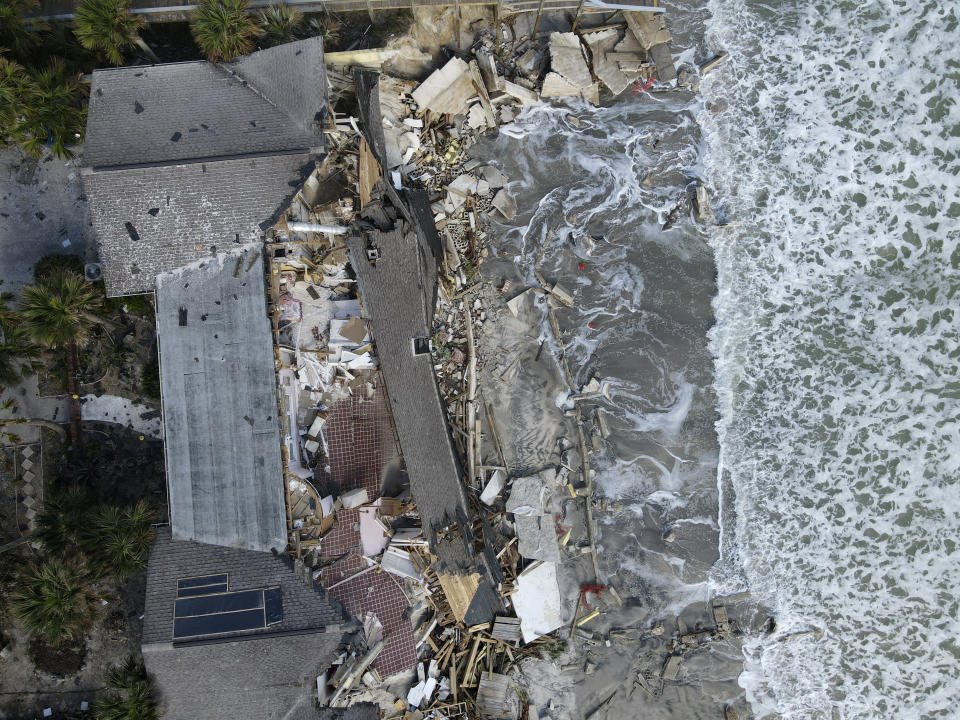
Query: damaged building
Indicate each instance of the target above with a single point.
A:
(183, 160)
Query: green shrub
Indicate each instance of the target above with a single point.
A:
(46, 265)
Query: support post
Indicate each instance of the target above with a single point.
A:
(536, 24)
(576, 19)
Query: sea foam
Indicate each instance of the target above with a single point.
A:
(833, 135)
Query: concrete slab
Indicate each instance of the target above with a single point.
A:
(567, 59)
(537, 601)
(607, 69)
(447, 90)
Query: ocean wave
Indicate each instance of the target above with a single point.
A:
(834, 136)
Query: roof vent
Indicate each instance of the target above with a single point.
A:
(92, 272)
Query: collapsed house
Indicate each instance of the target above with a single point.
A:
(183, 160)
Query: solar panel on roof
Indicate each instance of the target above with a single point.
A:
(201, 584)
(209, 609)
(218, 623)
(220, 603)
(202, 590)
(273, 605)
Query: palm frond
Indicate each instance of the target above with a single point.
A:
(118, 539)
(108, 28)
(131, 695)
(57, 310)
(279, 23)
(62, 520)
(56, 599)
(223, 29)
(51, 109)
(17, 34)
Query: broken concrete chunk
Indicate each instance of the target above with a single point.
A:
(354, 498)
(477, 118)
(494, 177)
(525, 96)
(568, 60)
(661, 56)
(530, 63)
(555, 85)
(605, 61)
(505, 204)
(515, 304)
(526, 497)
(447, 90)
(701, 205)
(488, 69)
(649, 28)
(493, 488)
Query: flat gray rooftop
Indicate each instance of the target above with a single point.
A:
(224, 471)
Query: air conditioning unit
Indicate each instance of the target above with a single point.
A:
(92, 272)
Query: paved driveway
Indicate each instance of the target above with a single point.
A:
(42, 211)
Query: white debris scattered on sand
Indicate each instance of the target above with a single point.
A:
(122, 411)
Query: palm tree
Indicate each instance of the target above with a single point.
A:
(18, 35)
(56, 599)
(19, 355)
(329, 28)
(59, 312)
(18, 92)
(223, 29)
(107, 27)
(279, 24)
(118, 539)
(48, 107)
(63, 521)
(130, 695)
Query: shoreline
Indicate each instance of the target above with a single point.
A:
(541, 436)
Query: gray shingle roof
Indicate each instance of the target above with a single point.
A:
(397, 295)
(179, 212)
(224, 469)
(257, 675)
(193, 155)
(264, 102)
(304, 608)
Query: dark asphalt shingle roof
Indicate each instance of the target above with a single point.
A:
(397, 295)
(184, 156)
(181, 213)
(397, 292)
(304, 608)
(261, 674)
(264, 102)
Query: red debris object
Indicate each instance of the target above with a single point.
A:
(583, 266)
(590, 588)
(591, 325)
(638, 88)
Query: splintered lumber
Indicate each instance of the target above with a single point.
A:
(671, 668)
(507, 629)
(459, 591)
(358, 670)
(468, 673)
(368, 173)
(492, 694)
